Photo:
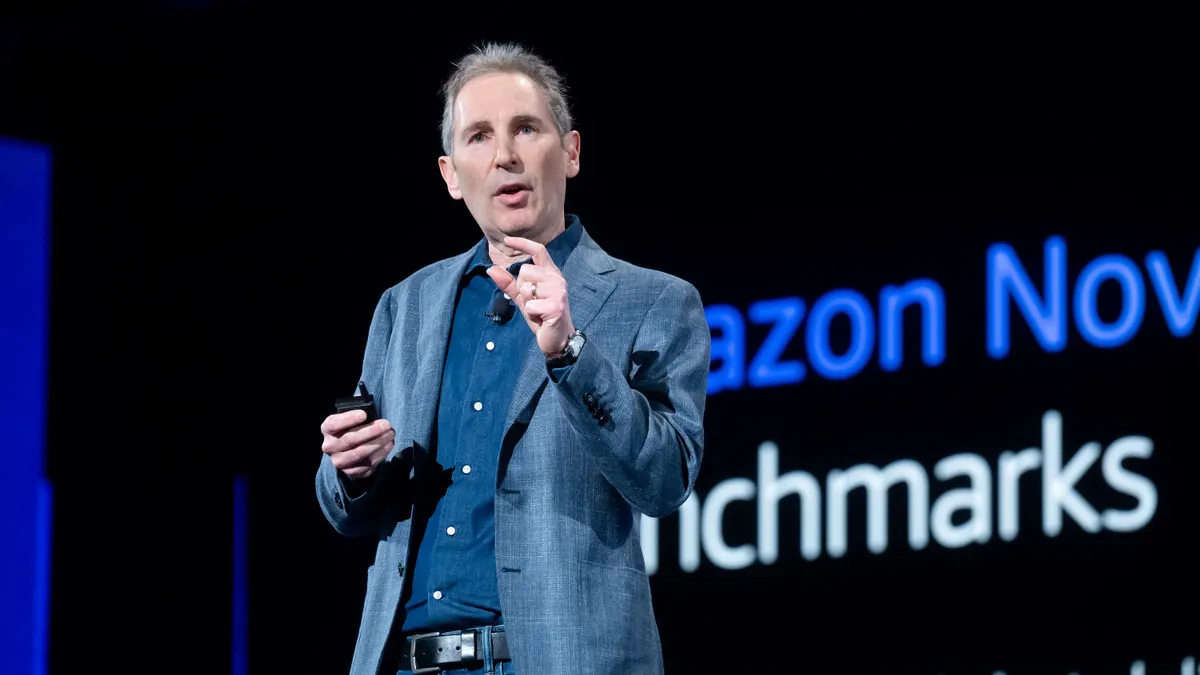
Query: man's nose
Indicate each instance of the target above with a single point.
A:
(506, 153)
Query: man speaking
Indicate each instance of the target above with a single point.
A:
(535, 396)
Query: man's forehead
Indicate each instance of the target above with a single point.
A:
(508, 94)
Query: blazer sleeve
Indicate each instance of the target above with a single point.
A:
(354, 507)
(647, 431)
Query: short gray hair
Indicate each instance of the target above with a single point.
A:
(505, 58)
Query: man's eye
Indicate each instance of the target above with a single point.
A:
(527, 128)
(476, 137)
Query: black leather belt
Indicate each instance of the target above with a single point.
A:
(431, 652)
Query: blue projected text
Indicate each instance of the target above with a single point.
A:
(872, 332)
(1044, 308)
(876, 329)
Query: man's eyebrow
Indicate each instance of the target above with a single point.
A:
(473, 127)
(527, 119)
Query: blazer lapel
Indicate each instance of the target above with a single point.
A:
(588, 287)
(437, 295)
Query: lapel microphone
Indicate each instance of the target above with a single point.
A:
(501, 310)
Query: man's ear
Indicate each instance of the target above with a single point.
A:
(571, 146)
(446, 165)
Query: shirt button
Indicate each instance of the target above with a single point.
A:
(450, 530)
(491, 345)
(466, 468)
(478, 405)
(437, 595)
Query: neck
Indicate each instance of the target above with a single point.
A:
(504, 255)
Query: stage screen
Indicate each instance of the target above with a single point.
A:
(951, 459)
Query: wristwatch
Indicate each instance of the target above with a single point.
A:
(570, 353)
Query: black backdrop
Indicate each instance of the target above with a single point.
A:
(236, 183)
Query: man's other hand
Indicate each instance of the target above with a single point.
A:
(356, 449)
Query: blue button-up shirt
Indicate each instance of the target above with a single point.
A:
(453, 578)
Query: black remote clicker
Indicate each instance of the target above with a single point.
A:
(363, 400)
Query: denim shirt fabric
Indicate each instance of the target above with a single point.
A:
(453, 577)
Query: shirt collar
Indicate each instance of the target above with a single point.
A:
(559, 248)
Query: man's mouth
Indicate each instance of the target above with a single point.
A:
(511, 188)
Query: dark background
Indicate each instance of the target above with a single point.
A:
(236, 183)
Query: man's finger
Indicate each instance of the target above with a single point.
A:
(545, 287)
(508, 285)
(363, 454)
(337, 443)
(538, 310)
(540, 256)
(359, 456)
(340, 422)
(504, 281)
(535, 273)
(533, 310)
(368, 433)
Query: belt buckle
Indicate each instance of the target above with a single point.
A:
(412, 653)
(470, 649)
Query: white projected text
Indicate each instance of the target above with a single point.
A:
(988, 507)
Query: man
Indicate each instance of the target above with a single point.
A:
(536, 396)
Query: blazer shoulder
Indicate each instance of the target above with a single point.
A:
(650, 279)
(412, 282)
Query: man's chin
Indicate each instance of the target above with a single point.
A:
(520, 226)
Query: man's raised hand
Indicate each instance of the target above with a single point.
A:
(540, 292)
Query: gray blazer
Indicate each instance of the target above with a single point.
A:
(569, 491)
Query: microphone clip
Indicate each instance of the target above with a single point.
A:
(501, 310)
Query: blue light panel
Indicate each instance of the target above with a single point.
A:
(26, 498)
